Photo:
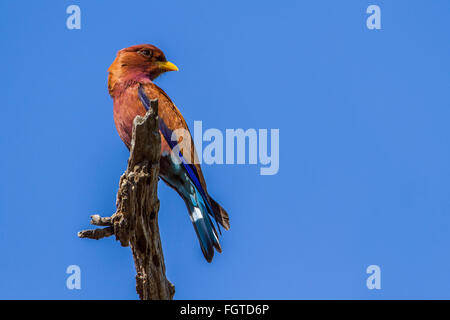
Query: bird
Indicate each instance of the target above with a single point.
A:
(131, 85)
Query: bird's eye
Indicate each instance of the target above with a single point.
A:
(146, 53)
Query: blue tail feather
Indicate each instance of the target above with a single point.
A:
(203, 226)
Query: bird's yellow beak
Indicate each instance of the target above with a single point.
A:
(167, 66)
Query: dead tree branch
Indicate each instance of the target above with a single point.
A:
(135, 222)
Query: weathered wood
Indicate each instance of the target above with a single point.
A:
(135, 222)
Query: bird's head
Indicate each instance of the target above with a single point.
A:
(137, 63)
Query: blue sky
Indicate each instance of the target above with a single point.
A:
(364, 146)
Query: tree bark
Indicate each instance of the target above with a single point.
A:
(135, 222)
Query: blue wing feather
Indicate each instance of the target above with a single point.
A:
(167, 134)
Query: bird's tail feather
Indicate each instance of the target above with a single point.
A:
(220, 214)
(204, 228)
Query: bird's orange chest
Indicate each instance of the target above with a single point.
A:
(126, 107)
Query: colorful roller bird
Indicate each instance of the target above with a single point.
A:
(130, 84)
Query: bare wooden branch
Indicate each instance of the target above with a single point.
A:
(135, 222)
(96, 220)
(96, 234)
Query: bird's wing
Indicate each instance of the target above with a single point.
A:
(171, 120)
